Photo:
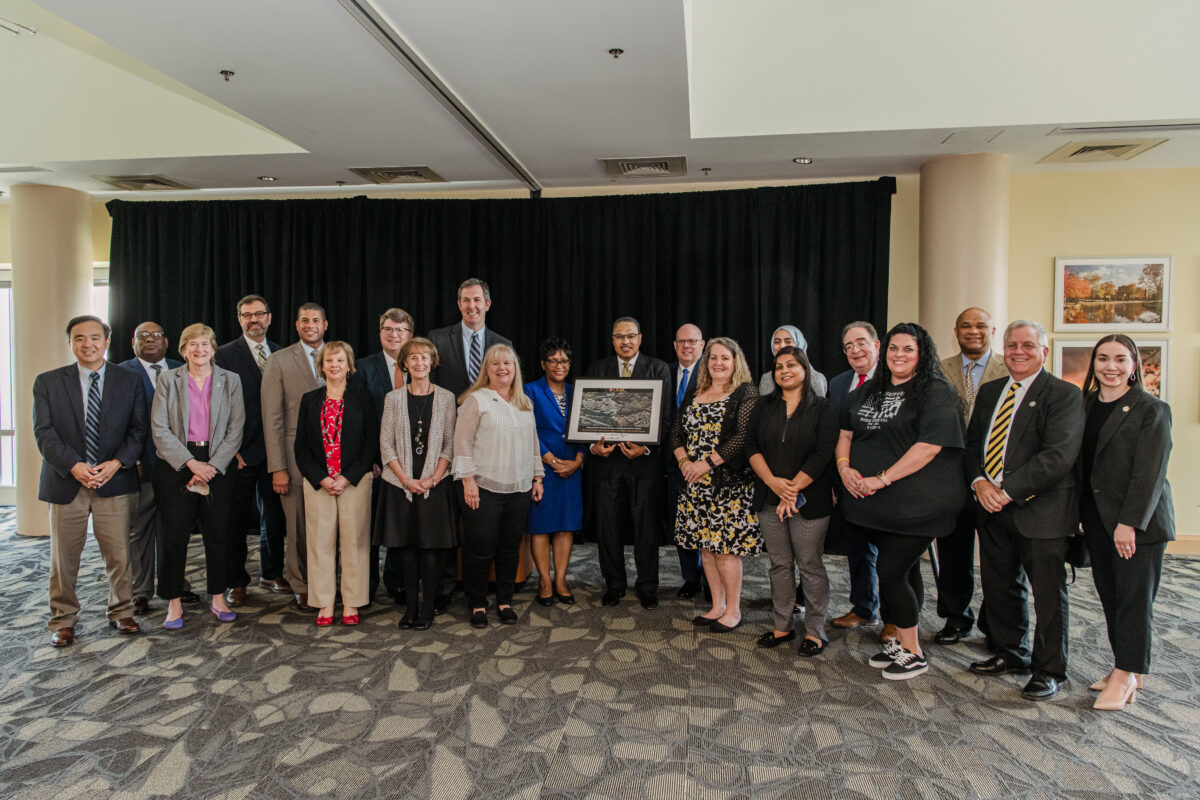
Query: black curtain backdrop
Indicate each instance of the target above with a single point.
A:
(736, 263)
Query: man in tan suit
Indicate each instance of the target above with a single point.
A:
(967, 370)
(287, 376)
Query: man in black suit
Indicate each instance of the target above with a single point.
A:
(90, 423)
(253, 497)
(380, 373)
(149, 361)
(1024, 437)
(461, 346)
(689, 345)
(628, 478)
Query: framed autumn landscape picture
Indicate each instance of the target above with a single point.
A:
(1112, 294)
(1071, 362)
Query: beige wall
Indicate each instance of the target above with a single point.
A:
(5, 234)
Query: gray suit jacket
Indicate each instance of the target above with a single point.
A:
(286, 378)
(169, 418)
(952, 366)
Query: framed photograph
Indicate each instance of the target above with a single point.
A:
(617, 409)
(1071, 362)
(1112, 294)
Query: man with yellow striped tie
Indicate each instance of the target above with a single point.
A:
(1024, 436)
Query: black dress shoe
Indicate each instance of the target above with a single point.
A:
(406, 623)
(769, 639)
(648, 599)
(189, 597)
(612, 597)
(300, 603)
(422, 625)
(951, 634)
(479, 619)
(440, 603)
(545, 601)
(565, 599)
(141, 606)
(688, 590)
(507, 615)
(998, 665)
(1041, 687)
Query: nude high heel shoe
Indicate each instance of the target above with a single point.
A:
(1130, 696)
(1099, 685)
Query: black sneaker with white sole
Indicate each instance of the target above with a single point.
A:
(891, 649)
(906, 665)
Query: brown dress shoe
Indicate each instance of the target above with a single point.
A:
(62, 637)
(889, 633)
(301, 603)
(236, 596)
(125, 625)
(276, 585)
(849, 620)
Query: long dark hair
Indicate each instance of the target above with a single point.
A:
(1091, 385)
(928, 370)
(806, 391)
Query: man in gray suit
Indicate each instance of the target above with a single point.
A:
(287, 376)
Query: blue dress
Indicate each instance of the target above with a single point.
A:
(561, 507)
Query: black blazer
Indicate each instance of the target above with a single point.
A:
(839, 390)
(812, 434)
(149, 454)
(451, 372)
(645, 367)
(236, 357)
(371, 372)
(1043, 444)
(360, 435)
(1129, 476)
(58, 428)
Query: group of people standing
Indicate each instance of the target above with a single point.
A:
(436, 443)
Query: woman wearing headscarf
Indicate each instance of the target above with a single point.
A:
(790, 336)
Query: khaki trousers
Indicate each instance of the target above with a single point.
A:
(336, 524)
(295, 568)
(68, 533)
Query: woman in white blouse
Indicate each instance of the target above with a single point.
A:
(499, 463)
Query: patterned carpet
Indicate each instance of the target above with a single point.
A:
(573, 702)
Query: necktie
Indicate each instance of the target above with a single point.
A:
(861, 380)
(626, 369)
(91, 428)
(317, 375)
(261, 358)
(682, 388)
(398, 377)
(993, 459)
(969, 380)
(476, 357)
(157, 371)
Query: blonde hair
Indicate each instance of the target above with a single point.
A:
(495, 353)
(195, 331)
(741, 370)
(335, 347)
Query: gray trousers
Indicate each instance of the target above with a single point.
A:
(801, 542)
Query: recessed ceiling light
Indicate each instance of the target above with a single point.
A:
(267, 178)
(802, 160)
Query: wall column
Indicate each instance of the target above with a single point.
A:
(52, 282)
(964, 242)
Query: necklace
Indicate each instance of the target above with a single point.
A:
(421, 404)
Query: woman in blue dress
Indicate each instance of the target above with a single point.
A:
(554, 520)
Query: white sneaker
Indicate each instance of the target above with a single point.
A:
(891, 649)
(906, 665)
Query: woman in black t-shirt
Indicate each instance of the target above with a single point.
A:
(904, 432)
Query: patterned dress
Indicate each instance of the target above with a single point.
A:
(719, 520)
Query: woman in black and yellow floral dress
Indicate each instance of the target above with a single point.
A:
(716, 506)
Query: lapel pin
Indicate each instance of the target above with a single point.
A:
(1125, 409)
(1032, 403)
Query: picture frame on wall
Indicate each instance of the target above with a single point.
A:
(1112, 294)
(1071, 362)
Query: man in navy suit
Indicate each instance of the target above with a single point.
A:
(253, 497)
(90, 423)
(381, 373)
(149, 361)
(461, 346)
(689, 345)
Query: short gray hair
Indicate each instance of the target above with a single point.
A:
(619, 320)
(1042, 338)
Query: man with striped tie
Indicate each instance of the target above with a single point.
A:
(256, 507)
(90, 423)
(1024, 436)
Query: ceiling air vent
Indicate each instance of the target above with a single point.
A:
(662, 167)
(1101, 151)
(142, 183)
(16, 169)
(385, 175)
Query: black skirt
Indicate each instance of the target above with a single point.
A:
(423, 522)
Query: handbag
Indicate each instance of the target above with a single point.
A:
(1078, 556)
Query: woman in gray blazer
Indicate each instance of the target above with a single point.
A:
(1125, 507)
(196, 422)
(415, 516)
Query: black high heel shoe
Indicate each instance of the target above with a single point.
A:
(545, 601)
(565, 599)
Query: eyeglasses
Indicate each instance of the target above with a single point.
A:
(626, 337)
(155, 335)
(254, 314)
(389, 329)
(857, 344)
(558, 362)
(692, 342)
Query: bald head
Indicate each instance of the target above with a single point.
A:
(974, 331)
(689, 344)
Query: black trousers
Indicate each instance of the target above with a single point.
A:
(179, 510)
(626, 502)
(1127, 587)
(493, 532)
(393, 571)
(1004, 554)
(956, 571)
(898, 566)
(256, 504)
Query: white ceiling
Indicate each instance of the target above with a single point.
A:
(864, 87)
